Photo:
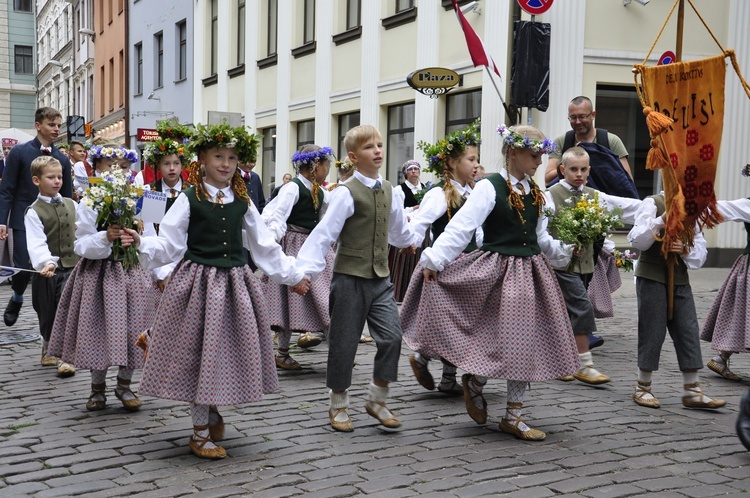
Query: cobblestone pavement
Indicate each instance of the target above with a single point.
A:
(599, 442)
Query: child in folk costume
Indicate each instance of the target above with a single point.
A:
(653, 321)
(454, 159)
(105, 305)
(363, 219)
(291, 216)
(211, 343)
(521, 331)
(574, 278)
(727, 325)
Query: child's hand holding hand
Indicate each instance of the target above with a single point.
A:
(429, 275)
(677, 247)
(411, 250)
(129, 237)
(162, 284)
(302, 286)
(48, 271)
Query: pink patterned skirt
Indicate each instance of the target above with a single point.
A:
(727, 325)
(492, 315)
(604, 282)
(290, 311)
(102, 310)
(211, 343)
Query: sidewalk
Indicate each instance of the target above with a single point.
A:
(599, 444)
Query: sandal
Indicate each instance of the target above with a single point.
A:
(478, 415)
(702, 400)
(384, 415)
(641, 390)
(340, 425)
(197, 443)
(97, 399)
(128, 398)
(450, 386)
(722, 368)
(286, 362)
(509, 425)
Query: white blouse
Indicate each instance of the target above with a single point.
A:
(277, 212)
(433, 207)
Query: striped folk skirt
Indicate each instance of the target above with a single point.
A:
(493, 315)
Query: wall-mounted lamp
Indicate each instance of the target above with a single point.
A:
(472, 7)
(151, 96)
(87, 32)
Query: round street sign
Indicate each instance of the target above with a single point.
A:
(667, 57)
(535, 7)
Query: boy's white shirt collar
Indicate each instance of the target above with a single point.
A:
(177, 186)
(48, 200)
(571, 187)
(366, 180)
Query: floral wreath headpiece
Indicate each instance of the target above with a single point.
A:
(222, 135)
(456, 142)
(518, 141)
(344, 166)
(174, 130)
(157, 150)
(100, 152)
(311, 157)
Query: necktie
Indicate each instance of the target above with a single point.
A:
(220, 197)
(246, 176)
(56, 200)
(173, 192)
(520, 187)
(45, 150)
(377, 185)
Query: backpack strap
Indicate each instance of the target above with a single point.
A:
(602, 138)
(570, 140)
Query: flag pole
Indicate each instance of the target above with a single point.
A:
(502, 101)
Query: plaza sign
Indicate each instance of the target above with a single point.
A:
(433, 81)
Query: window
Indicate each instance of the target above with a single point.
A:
(24, 59)
(101, 17)
(273, 15)
(402, 5)
(269, 157)
(240, 32)
(120, 6)
(309, 28)
(214, 35)
(462, 109)
(101, 91)
(158, 60)
(110, 11)
(346, 123)
(400, 147)
(305, 133)
(182, 50)
(121, 78)
(111, 85)
(352, 13)
(138, 77)
(22, 5)
(619, 111)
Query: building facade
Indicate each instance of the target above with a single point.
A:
(82, 81)
(110, 76)
(17, 65)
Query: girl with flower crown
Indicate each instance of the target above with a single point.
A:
(455, 160)
(520, 331)
(105, 303)
(291, 216)
(211, 343)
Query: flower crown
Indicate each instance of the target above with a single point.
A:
(345, 165)
(157, 150)
(312, 157)
(174, 130)
(105, 152)
(222, 135)
(518, 141)
(455, 143)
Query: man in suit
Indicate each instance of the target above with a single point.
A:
(17, 192)
(253, 184)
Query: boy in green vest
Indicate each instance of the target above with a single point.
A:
(363, 219)
(50, 224)
(574, 278)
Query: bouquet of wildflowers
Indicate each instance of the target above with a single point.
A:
(624, 259)
(114, 199)
(419, 195)
(583, 220)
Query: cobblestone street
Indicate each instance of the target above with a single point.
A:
(599, 444)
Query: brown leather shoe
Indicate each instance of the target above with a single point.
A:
(698, 399)
(48, 361)
(383, 414)
(65, 369)
(286, 362)
(478, 415)
(641, 390)
(198, 442)
(131, 404)
(510, 426)
(341, 426)
(97, 399)
(723, 369)
(308, 340)
(422, 373)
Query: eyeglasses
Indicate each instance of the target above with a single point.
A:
(579, 117)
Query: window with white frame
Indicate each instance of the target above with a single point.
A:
(400, 146)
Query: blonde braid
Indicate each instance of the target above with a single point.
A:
(539, 199)
(239, 188)
(196, 179)
(452, 197)
(315, 190)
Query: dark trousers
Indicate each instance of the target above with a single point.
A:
(45, 295)
(354, 300)
(577, 302)
(20, 260)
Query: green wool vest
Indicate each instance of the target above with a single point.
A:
(438, 226)
(363, 242)
(59, 221)
(651, 264)
(304, 213)
(503, 231)
(583, 264)
(215, 232)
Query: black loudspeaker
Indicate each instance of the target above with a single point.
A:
(76, 129)
(529, 80)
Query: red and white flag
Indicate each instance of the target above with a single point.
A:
(480, 56)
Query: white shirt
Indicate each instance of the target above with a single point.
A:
(278, 210)
(472, 214)
(628, 206)
(737, 210)
(171, 244)
(647, 226)
(79, 171)
(433, 207)
(311, 257)
(36, 241)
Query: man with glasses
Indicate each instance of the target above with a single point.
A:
(581, 115)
